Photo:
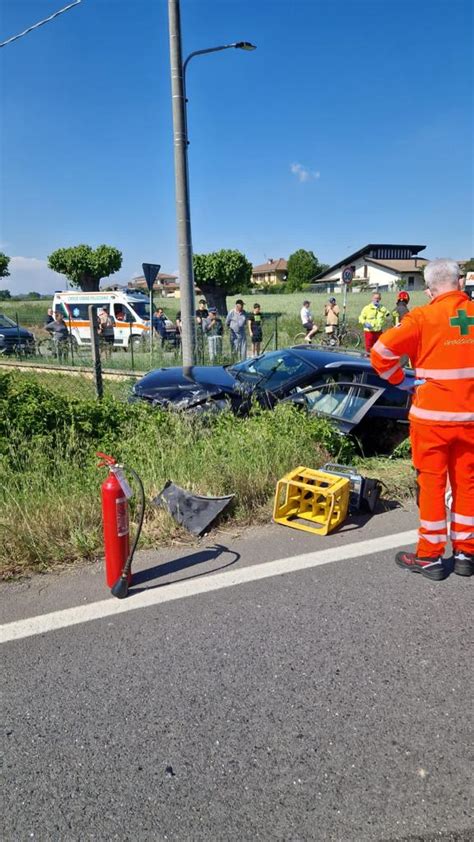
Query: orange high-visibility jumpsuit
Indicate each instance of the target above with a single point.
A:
(439, 340)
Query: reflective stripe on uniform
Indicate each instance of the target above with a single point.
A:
(467, 520)
(460, 536)
(441, 538)
(434, 525)
(446, 373)
(385, 375)
(440, 415)
(384, 352)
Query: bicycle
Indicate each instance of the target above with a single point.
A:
(347, 337)
(53, 348)
(341, 336)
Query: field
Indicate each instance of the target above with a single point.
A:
(32, 313)
(280, 327)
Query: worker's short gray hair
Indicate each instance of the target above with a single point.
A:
(442, 274)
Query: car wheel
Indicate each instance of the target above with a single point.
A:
(137, 342)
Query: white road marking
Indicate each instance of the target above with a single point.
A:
(179, 590)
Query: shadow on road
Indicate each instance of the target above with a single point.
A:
(357, 520)
(179, 564)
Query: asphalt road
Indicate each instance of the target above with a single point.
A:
(327, 703)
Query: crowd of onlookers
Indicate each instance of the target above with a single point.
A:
(242, 326)
(245, 328)
(374, 317)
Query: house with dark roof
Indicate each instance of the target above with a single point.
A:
(166, 285)
(379, 265)
(270, 273)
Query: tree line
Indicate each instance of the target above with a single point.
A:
(217, 274)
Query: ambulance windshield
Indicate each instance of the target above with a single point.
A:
(141, 308)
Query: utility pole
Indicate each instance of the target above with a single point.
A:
(183, 213)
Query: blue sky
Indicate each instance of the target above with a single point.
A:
(351, 123)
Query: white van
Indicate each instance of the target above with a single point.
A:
(130, 311)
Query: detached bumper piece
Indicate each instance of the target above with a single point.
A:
(313, 501)
(365, 492)
(194, 512)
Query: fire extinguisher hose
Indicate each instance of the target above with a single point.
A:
(120, 589)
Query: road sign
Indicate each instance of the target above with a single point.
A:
(347, 275)
(150, 270)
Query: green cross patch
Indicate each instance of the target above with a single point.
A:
(462, 321)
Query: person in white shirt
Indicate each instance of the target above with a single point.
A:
(307, 321)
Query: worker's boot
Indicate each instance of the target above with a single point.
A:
(463, 563)
(431, 568)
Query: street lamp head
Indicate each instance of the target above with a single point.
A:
(245, 45)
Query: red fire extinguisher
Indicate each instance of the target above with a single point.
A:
(115, 492)
(114, 522)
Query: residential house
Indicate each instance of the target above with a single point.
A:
(270, 273)
(166, 285)
(380, 266)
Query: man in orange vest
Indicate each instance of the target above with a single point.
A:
(439, 340)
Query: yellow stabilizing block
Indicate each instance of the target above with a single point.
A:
(311, 500)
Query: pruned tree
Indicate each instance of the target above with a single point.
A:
(4, 261)
(221, 273)
(303, 266)
(84, 267)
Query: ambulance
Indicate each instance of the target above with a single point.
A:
(469, 287)
(130, 311)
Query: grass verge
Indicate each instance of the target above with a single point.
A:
(50, 484)
(51, 428)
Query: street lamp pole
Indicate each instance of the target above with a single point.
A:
(183, 215)
(183, 212)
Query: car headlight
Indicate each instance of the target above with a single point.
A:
(2, 339)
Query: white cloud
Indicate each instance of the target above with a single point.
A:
(304, 174)
(30, 274)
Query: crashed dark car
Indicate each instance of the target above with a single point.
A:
(340, 385)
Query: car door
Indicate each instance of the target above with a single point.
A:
(123, 327)
(346, 403)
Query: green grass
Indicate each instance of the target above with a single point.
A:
(50, 488)
(30, 313)
(75, 385)
(51, 428)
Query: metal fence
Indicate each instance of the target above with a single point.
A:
(132, 356)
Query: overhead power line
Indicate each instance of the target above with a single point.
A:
(40, 23)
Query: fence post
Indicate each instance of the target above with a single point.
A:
(130, 345)
(18, 335)
(71, 343)
(96, 361)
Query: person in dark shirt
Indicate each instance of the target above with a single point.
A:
(255, 329)
(49, 316)
(202, 313)
(59, 332)
(159, 324)
(401, 307)
(214, 329)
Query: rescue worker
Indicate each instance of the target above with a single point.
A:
(373, 317)
(439, 339)
(401, 307)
